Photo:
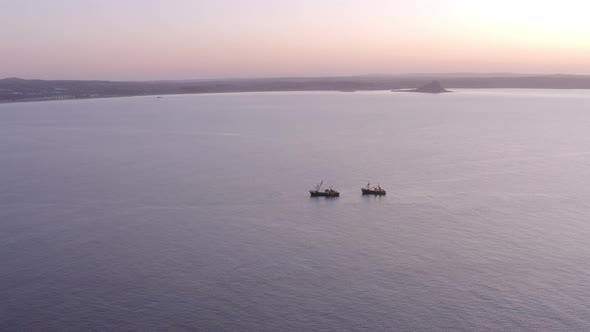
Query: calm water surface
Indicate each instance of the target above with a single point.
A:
(192, 212)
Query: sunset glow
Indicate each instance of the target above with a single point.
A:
(202, 39)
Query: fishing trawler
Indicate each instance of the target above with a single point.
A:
(326, 193)
(373, 191)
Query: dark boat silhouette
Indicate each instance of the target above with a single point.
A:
(373, 191)
(326, 193)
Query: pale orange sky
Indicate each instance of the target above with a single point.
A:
(182, 39)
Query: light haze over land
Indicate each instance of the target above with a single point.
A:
(147, 39)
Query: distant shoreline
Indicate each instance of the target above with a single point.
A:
(3, 102)
(24, 90)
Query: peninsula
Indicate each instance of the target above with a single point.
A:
(432, 87)
(17, 89)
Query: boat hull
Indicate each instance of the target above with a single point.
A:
(323, 194)
(373, 192)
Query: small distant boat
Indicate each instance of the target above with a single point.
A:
(373, 191)
(317, 192)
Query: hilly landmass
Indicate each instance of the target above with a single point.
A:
(17, 89)
(432, 87)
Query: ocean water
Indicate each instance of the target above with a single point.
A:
(192, 212)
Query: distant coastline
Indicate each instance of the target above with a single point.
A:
(21, 90)
(432, 87)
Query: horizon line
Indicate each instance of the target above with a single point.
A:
(406, 75)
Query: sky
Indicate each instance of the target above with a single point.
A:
(192, 39)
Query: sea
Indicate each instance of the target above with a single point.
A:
(193, 212)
